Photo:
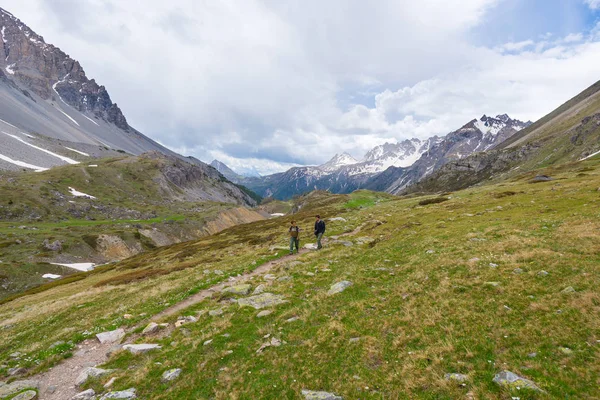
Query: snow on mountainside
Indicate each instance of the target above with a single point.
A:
(391, 166)
(338, 161)
(46, 98)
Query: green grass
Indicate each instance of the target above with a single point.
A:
(419, 302)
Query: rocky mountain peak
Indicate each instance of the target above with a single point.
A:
(339, 160)
(50, 73)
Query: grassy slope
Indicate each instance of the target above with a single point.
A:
(127, 198)
(418, 314)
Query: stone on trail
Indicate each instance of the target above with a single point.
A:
(269, 277)
(171, 375)
(27, 395)
(111, 336)
(17, 386)
(313, 395)
(310, 246)
(264, 313)
(262, 300)
(513, 381)
(90, 372)
(124, 394)
(259, 289)
(85, 395)
(140, 348)
(150, 329)
(238, 289)
(461, 378)
(339, 287)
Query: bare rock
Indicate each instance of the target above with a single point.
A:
(17, 386)
(150, 329)
(242, 290)
(313, 395)
(141, 348)
(262, 300)
(124, 394)
(27, 395)
(90, 372)
(339, 287)
(171, 375)
(85, 395)
(513, 381)
(111, 336)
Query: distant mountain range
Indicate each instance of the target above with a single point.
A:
(388, 167)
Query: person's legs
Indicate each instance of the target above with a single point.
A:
(297, 242)
(319, 245)
(292, 241)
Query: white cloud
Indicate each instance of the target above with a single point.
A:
(594, 4)
(274, 84)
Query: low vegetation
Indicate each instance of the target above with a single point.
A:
(498, 277)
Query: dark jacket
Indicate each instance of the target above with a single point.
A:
(319, 227)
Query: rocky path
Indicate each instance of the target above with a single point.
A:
(58, 383)
(206, 293)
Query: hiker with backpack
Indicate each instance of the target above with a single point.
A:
(294, 237)
(319, 231)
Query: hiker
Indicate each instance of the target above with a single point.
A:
(294, 238)
(319, 231)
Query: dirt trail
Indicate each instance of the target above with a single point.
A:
(91, 353)
(206, 293)
(62, 377)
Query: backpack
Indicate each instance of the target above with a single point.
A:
(294, 231)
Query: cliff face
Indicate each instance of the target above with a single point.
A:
(50, 73)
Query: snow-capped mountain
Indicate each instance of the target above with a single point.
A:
(476, 136)
(338, 161)
(392, 165)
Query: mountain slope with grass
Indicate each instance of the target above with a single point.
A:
(569, 133)
(108, 211)
(423, 297)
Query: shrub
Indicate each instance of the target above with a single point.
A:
(434, 200)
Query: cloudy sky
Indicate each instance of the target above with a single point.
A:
(267, 84)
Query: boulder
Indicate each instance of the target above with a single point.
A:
(242, 290)
(513, 381)
(17, 386)
(111, 336)
(261, 301)
(264, 313)
(27, 395)
(90, 372)
(339, 287)
(141, 348)
(542, 273)
(569, 289)
(171, 375)
(124, 394)
(338, 219)
(52, 246)
(259, 289)
(150, 329)
(214, 313)
(313, 395)
(85, 395)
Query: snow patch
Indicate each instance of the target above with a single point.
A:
(22, 164)
(66, 159)
(277, 215)
(93, 165)
(51, 276)
(79, 194)
(91, 120)
(28, 135)
(78, 266)
(1, 120)
(77, 151)
(9, 69)
(68, 116)
(590, 156)
(3, 37)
